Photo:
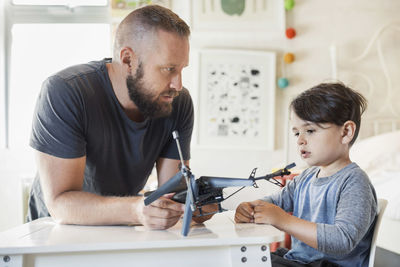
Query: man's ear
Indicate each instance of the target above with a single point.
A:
(128, 58)
(348, 131)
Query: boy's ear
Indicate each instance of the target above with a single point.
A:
(349, 128)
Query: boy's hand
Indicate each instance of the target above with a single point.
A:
(259, 211)
(265, 212)
(244, 213)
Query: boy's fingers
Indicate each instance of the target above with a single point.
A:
(241, 218)
(244, 213)
(257, 203)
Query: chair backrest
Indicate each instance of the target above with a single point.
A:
(381, 209)
(26, 184)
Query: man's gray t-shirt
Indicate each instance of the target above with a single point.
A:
(77, 114)
(343, 206)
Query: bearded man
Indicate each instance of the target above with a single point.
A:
(99, 128)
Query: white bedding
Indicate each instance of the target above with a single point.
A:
(379, 156)
(387, 186)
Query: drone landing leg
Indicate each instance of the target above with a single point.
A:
(187, 217)
(220, 209)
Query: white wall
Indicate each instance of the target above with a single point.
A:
(319, 23)
(2, 76)
(15, 165)
(15, 168)
(349, 25)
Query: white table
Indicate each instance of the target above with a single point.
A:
(218, 242)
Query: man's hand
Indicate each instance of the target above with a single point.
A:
(205, 209)
(161, 214)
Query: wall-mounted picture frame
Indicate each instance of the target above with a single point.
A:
(121, 8)
(236, 99)
(133, 4)
(238, 15)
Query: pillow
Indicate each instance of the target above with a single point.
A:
(380, 152)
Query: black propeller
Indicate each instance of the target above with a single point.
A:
(189, 206)
(173, 183)
(168, 187)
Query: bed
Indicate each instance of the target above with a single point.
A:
(374, 72)
(379, 156)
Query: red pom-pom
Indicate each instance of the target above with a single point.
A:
(290, 33)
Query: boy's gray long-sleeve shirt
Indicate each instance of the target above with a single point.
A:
(343, 206)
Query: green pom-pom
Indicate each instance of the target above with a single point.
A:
(289, 4)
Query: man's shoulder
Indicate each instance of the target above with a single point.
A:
(77, 81)
(80, 70)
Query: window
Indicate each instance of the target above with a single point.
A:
(2, 77)
(43, 37)
(70, 3)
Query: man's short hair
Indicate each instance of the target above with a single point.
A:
(147, 20)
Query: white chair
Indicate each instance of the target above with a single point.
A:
(26, 184)
(381, 209)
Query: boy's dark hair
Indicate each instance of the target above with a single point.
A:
(330, 103)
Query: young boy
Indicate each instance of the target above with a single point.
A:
(333, 202)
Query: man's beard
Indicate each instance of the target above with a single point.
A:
(148, 104)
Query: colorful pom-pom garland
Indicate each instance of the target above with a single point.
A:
(288, 58)
(289, 4)
(283, 83)
(290, 33)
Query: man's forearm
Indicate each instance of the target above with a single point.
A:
(77, 207)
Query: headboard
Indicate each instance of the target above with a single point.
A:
(375, 73)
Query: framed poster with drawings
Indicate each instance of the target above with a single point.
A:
(236, 99)
(238, 15)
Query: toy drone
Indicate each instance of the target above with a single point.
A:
(205, 190)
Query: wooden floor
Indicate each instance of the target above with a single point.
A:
(386, 258)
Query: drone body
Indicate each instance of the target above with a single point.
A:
(196, 193)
